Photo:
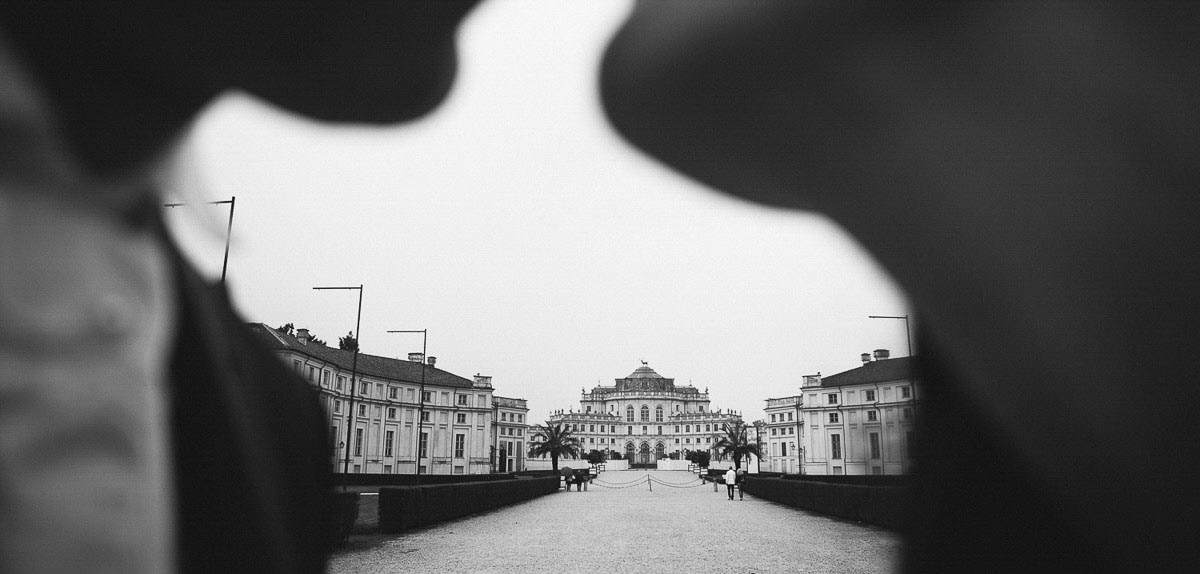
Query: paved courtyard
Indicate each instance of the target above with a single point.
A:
(628, 528)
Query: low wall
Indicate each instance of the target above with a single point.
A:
(406, 507)
(364, 479)
(859, 479)
(885, 506)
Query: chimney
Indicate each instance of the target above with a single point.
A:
(866, 358)
(302, 335)
(432, 361)
(416, 357)
(881, 354)
(483, 381)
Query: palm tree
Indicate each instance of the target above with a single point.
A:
(734, 442)
(554, 440)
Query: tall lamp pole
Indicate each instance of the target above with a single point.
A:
(421, 395)
(907, 334)
(228, 228)
(353, 375)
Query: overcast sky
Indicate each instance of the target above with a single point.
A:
(526, 236)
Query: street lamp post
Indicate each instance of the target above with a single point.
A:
(228, 228)
(421, 394)
(907, 334)
(353, 374)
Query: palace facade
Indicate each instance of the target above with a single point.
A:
(855, 422)
(645, 417)
(464, 427)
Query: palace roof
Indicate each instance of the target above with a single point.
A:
(369, 365)
(877, 371)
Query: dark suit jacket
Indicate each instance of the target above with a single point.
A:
(252, 464)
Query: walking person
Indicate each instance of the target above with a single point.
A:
(730, 481)
(741, 479)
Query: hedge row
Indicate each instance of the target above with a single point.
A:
(859, 479)
(344, 514)
(406, 507)
(886, 506)
(364, 479)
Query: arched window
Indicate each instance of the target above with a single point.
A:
(658, 414)
(645, 413)
(629, 413)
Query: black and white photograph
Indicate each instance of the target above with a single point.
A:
(621, 286)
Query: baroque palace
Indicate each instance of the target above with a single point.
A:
(464, 427)
(645, 417)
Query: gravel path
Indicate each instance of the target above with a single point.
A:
(616, 530)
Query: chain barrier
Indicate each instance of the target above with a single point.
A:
(635, 483)
(677, 485)
(650, 482)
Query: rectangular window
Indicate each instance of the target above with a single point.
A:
(874, 437)
(426, 396)
(520, 418)
(872, 416)
(869, 395)
(659, 430)
(324, 378)
(341, 383)
(424, 416)
(676, 428)
(393, 393)
(520, 432)
(462, 400)
(591, 440)
(783, 449)
(460, 442)
(388, 439)
(831, 398)
(644, 429)
(299, 368)
(630, 430)
(358, 440)
(362, 410)
(337, 406)
(312, 374)
(462, 418)
(772, 418)
(387, 469)
(504, 416)
(364, 389)
(833, 418)
(391, 413)
(790, 416)
(905, 392)
(906, 413)
(423, 448)
(773, 432)
(835, 446)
